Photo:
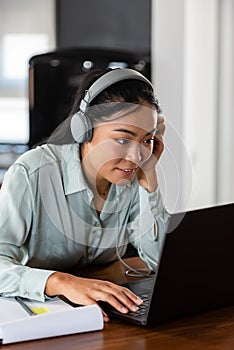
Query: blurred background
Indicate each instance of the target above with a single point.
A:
(186, 47)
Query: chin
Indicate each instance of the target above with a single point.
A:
(123, 181)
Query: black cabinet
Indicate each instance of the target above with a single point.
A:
(55, 76)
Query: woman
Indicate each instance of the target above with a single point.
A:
(84, 195)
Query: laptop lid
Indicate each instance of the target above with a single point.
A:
(195, 273)
(197, 264)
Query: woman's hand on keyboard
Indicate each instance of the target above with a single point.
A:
(85, 291)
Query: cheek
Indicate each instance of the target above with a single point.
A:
(104, 153)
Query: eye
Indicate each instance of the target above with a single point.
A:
(122, 141)
(149, 141)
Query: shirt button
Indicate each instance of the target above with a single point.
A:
(96, 224)
(38, 294)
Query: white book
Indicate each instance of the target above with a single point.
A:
(51, 318)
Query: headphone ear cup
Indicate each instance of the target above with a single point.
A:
(81, 127)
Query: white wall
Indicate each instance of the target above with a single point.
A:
(185, 59)
(168, 77)
(225, 132)
(201, 96)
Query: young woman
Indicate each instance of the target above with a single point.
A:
(84, 195)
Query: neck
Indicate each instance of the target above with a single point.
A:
(98, 185)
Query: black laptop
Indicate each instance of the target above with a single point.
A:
(196, 270)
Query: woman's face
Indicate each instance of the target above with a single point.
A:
(120, 146)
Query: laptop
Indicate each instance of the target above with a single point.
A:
(196, 270)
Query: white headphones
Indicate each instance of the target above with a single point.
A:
(81, 125)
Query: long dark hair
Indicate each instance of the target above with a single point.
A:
(110, 100)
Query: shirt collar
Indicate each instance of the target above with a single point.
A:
(73, 176)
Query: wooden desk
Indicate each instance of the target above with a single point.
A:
(210, 331)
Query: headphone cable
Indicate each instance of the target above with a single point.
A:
(130, 272)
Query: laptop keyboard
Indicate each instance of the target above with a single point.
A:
(143, 307)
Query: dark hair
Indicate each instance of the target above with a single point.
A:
(110, 100)
(129, 91)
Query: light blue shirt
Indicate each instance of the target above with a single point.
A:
(48, 222)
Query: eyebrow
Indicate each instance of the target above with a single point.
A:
(133, 133)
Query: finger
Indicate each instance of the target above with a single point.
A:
(135, 299)
(105, 316)
(118, 300)
(113, 301)
(127, 299)
(158, 146)
(158, 138)
(90, 301)
(127, 293)
(161, 127)
(160, 119)
(119, 297)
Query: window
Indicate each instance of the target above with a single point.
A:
(27, 29)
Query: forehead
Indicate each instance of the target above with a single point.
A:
(137, 116)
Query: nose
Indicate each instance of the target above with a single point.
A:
(134, 153)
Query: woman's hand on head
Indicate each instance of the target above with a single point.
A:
(147, 176)
(85, 291)
(159, 143)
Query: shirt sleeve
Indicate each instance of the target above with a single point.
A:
(148, 229)
(16, 212)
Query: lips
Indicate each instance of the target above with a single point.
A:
(127, 171)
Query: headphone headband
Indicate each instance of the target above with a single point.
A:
(81, 125)
(107, 80)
